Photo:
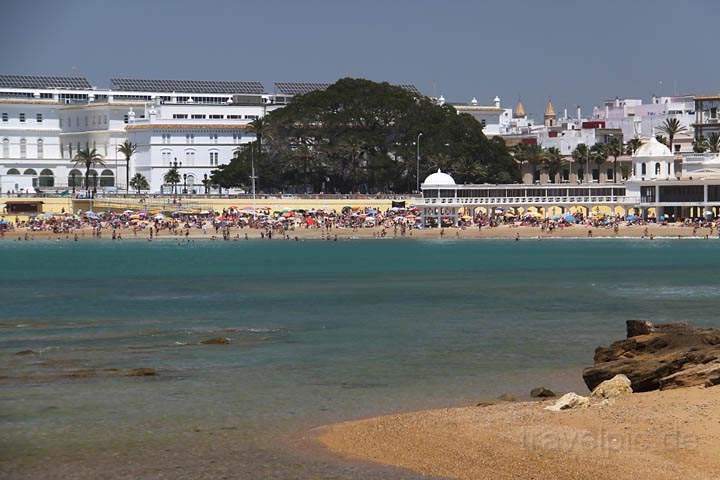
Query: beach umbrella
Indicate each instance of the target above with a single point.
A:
(708, 214)
(631, 218)
(569, 217)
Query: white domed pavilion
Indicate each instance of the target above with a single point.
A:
(653, 160)
(439, 179)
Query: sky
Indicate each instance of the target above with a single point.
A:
(573, 52)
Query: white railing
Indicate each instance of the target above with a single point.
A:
(449, 201)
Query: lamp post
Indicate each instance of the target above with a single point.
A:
(184, 183)
(206, 183)
(72, 179)
(417, 159)
(175, 165)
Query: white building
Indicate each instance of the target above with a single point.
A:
(45, 121)
(634, 117)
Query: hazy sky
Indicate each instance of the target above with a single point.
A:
(571, 51)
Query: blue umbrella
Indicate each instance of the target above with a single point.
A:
(631, 218)
(569, 217)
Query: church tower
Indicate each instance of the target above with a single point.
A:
(550, 117)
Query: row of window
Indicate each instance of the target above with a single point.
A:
(22, 117)
(76, 178)
(96, 120)
(23, 148)
(204, 116)
(526, 192)
(168, 159)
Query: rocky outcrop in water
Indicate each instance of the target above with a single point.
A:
(216, 341)
(541, 392)
(659, 357)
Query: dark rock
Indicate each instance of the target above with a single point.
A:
(636, 328)
(25, 352)
(216, 341)
(506, 397)
(542, 392)
(668, 356)
(141, 372)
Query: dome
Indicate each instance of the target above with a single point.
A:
(439, 178)
(653, 148)
(549, 109)
(519, 111)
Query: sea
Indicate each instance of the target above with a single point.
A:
(319, 332)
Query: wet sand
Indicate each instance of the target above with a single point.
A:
(659, 435)
(501, 232)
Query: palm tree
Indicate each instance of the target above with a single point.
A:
(599, 155)
(88, 159)
(581, 154)
(552, 161)
(713, 142)
(139, 182)
(662, 139)
(615, 149)
(526, 154)
(172, 177)
(700, 145)
(128, 149)
(633, 145)
(625, 170)
(671, 127)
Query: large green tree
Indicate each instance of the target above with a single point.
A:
(360, 136)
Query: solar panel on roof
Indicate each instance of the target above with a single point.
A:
(187, 86)
(42, 82)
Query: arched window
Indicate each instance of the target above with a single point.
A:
(107, 179)
(40, 150)
(166, 156)
(93, 178)
(29, 171)
(75, 178)
(657, 168)
(23, 148)
(609, 174)
(13, 171)
(47, 179)
(643, 169)
(190, 180)
(6, 148)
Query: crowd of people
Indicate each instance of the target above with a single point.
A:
(235, 223)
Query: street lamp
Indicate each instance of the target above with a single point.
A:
(206, 183)
(417, 159)
(72, 180)
(184, 183)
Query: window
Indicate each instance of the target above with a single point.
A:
(6, 148)
(38, 118)
(40, 151)
(179, 116)
(251, 117)
(75, 178)
(197, 116)
(13, 171)
(657, 168)
(189, 157)
(107, 179)
(22, 118)
(166, 157)
(189, 138)
(126, 118)
(214, 159)
(643, 170)
(213, 137)
(609, 174)
(234, 117)
(4, 117)
(47, 179)
(216, 117)
(165, 138)
(23, 148)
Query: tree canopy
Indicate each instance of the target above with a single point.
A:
(360, 136)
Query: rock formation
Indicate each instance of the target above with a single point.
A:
(568, 401)
(541, 392)
(616, 386)
(659, 357)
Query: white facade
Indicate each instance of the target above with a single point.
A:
(636, 118)
(196, 138)
(42, 129)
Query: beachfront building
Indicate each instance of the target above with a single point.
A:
(660, 186)
(634, 117)
(45, 121)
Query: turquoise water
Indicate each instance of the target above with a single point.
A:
(320, 332)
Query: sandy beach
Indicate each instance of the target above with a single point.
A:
(661, 435)
(499, 232)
